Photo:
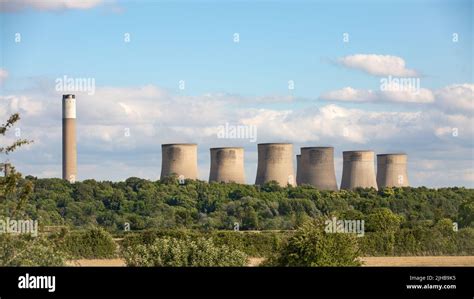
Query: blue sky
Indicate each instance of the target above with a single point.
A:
(279, 41)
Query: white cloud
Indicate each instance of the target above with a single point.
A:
(436, 172)
(350, 94)
(45, 5)
(378, 65)
(456, 98)
(392, 94)
(153, 116)
(334, 124)
(24, 105)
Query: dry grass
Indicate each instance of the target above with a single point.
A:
(414, 261)
(255, 261)
(384, 261)
(96, 263)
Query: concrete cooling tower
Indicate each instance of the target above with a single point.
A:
(318, 167)
(275, 163)
(227, 165)
(298, 170)
(392, 170)
(358, 170)
(179, 159)
(69, 138)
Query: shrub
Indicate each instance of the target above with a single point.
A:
(382, 226)
(92, 243)
(29, 251)
(256, 244)
(310, 246)
(172, 252)
(465, 241)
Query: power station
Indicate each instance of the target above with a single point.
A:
(317, 168)
(358, 170)
(392, 170)
(69, 138)
(179, 159)
(275, 163)
(227, 165)
(315, 165)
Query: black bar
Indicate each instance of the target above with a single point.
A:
(241, 282)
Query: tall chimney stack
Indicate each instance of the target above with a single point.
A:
(358, 170)
(392, 170)
(227, 165)
(69, 138)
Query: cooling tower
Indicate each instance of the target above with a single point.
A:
(275, 163)
(227, 165)
(392, 170)
(318, 167)
(69, 138)
(298, 170)
(358, 170)
(179, 159)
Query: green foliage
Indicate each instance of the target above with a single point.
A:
(255, 244)
(92, 243)
(465, 241)
(14, 191)
(3, 130)
(466, 212)
(424, 238)
(172, 252)
(311, 246)
(29, 251)
(381, 226)
(398, 221)
(199, 205)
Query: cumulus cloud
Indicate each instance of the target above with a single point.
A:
(120, 131)
(350, 94)
(332, 124)
(378, 65)
(456, 98)
(436, 172)
(22, 104)
(46, 5)
(392, 94)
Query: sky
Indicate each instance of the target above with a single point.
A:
(313, 73)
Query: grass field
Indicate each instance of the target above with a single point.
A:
(385, 261)
(413, 261)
